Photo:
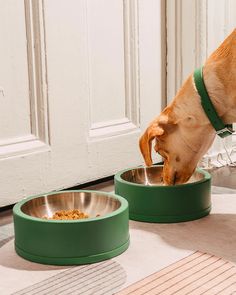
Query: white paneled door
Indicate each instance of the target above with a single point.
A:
(79, 82)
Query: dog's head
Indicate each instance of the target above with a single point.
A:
(182, 135)
(183, 132)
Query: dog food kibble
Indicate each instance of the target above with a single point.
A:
(68, 215)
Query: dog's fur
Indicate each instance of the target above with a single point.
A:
(182, 131)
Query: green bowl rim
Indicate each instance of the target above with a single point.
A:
(207, 177)
(124, 205)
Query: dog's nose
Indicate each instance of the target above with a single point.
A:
(169, 174)
(182, 178)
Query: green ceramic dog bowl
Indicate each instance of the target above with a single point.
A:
(151, 201)
(65, 242)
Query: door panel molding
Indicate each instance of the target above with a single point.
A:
(131, 119)
(131, 37)
(36, 49)
(39, 138)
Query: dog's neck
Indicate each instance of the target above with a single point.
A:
(219, 75)
(223, 97)
(220, 78)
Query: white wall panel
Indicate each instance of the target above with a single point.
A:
(106, 60)
(230, 15)
(23, 112)
(14, 83)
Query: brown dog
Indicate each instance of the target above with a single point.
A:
(183, 133)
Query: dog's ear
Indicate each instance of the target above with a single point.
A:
(145, 142)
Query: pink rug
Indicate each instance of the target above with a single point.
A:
(196, 274)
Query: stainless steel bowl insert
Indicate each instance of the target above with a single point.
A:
(152, 176)
(90, 203)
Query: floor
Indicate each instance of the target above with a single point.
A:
(196, 274)
(153, 247)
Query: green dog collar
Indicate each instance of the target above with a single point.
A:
(223, 130)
